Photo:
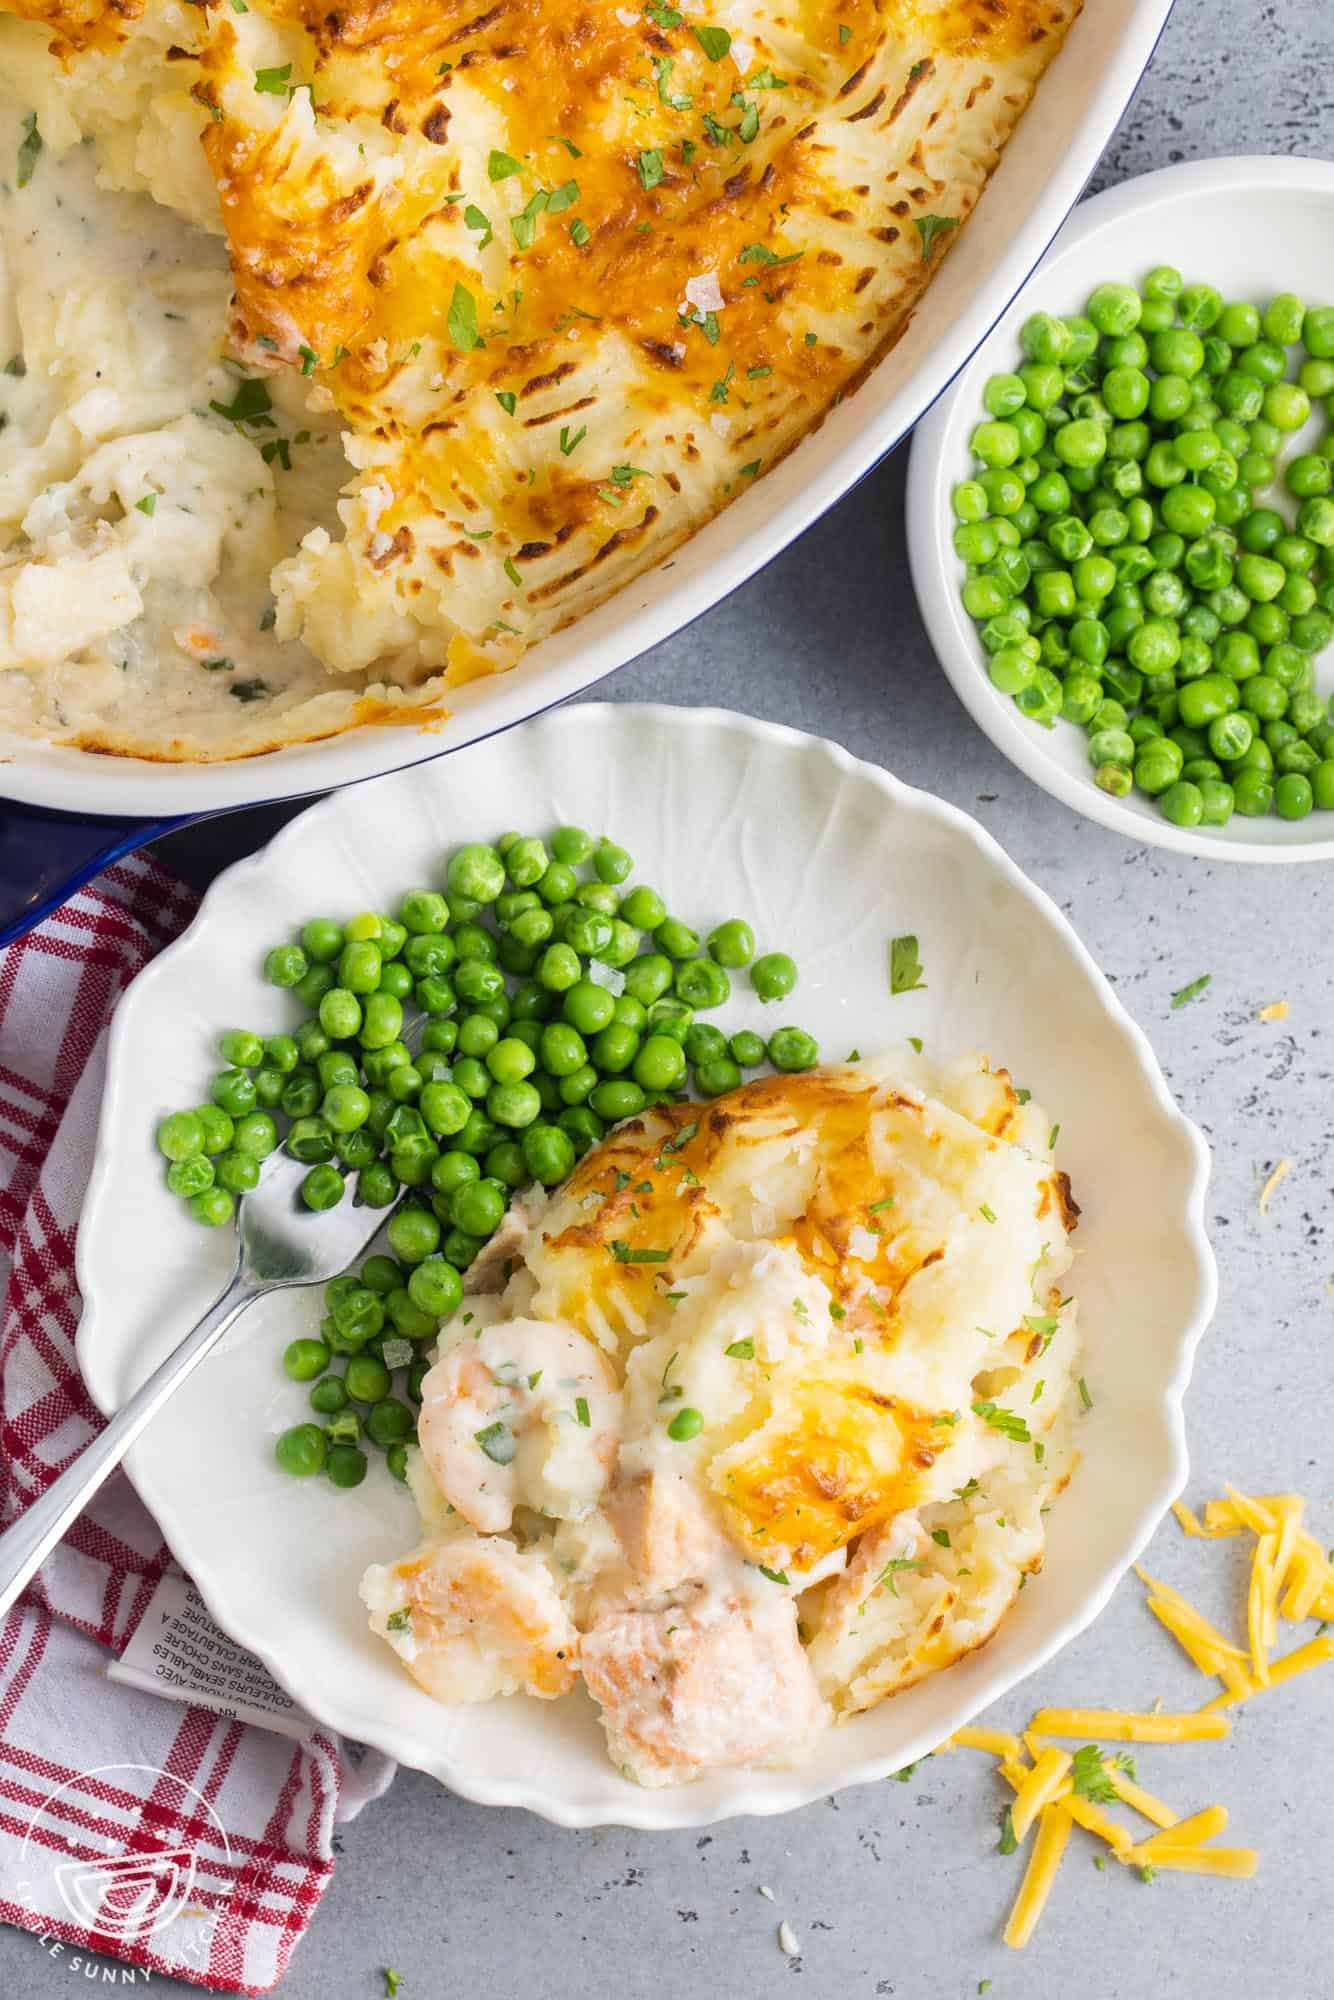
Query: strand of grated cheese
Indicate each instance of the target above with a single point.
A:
(1054, 1824)
(1116, 1726)
(1201, 1826)
(1236, 1861)
(1041, 1786)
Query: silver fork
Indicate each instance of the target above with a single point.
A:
(280, 1243)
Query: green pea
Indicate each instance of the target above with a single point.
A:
(478, 1207)
(301, 1450)
(366, 1378)
(377, 1186)
(328, 1396)
(1182, 803)
(617, 1098)
(233, 1091)
(588, 1007)
(504, 1163)
(452, 1169)
(717, 1075)
(610, 862)
(702, 983)
(648, 978)
(513, 1105)
(659, 1064)
(686, 1424)
(413, 1234)
(237, 1172)
(193, 1176)
(1115, 779)
(1111, 746)
(774, 976)
(1204, 700)
(1114, 309)
(675, 939)
(571, 845)
(1253, 792)
(746, 1048)
(577, 1086)
(1293, 795)
(793, 1049)
(1230, 737)
(346, 1465)
(549, 1152)
(581, 1126)
(322, 1187)
(1322, 785)
(1003, 395)
(286, 965)
(614, 1049)
(968, 499)
(181, 1135)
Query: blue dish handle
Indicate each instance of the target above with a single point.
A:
(46, 856)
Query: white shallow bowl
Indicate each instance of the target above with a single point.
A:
(830, 858)
(1045, 166)
(1251, 226)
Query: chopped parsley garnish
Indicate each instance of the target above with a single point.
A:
(666, 17)
(764, 79)
(310, 360)
(507, 400)
(941, 1536)
(1192, 992)
(222, 665)
(754, 375)
(1008, 1841)
(462, 321)
(1022, 1096)
(929, 227)
(570, 440)
(741, 1350)
(148, 505)
(274, 82)
(581, 1412)
(399, 1621)
(715, 42)
(915, 1042)
(760, 253)
(836, 1311)
(987, 1212)
(249, 690)
(501, 166)
(524, 225)
(1091, 1775)
(946, 1419)
(844, 32)
(16, 366)
(905, 967)
(565, 196)
(624, 475)
(774, 1575)
(1043, 1323)
(749, 471)
(967, 1492)
(662, 70)
(30, 146)
(579, 232)
(683, 1138)
(626, 1253)
(476, 218)
(721, 389)
(892, 1569)
(749, 127)
(1038, 1388)
(1005, 1421)
(888, 1200)
(902, 1776)
(497, 1441)
(392, 1980)
(1052, 1137)
(534, 1378)
(650, 168)
(1084, 1395)
(250, 405)
(513, 572)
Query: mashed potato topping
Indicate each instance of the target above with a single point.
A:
(762, 1423)
(347, 353)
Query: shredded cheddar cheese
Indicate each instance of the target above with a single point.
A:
(1053, 1833)
(1277, 1010)
(1291, 1577)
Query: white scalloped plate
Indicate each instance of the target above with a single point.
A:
(830, 858)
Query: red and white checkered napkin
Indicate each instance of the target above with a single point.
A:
(130, 1827)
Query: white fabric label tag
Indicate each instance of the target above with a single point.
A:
(179, 1652)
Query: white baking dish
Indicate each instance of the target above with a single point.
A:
(1052, 154)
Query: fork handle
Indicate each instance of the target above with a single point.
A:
(25, 1546)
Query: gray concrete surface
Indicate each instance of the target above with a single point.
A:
(897, 1889)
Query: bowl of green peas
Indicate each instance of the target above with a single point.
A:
(1121, 516)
